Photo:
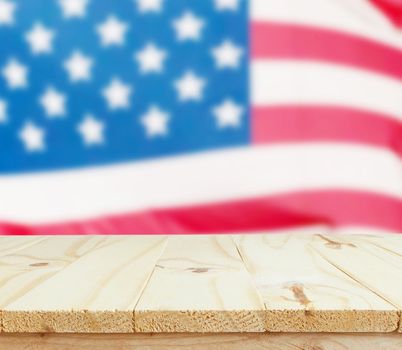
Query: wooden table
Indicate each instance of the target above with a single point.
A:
(310, 292)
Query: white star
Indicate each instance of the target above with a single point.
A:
(53, 103)
(78, 67)
(155, 122)
(40, 39)
(117, 94)
(16, 74)
(228, 114)
(91, 130)
(190, 87)
(7, 10)
(188, 27)
(74, 8)
(112, 32)
(32, 137)
(3, 111)
(230, 5)
(227, 55)
(151, 59)
(149, 5)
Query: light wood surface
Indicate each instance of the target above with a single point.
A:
(375, 265)
(249, 283)
(200, 284)
(11, 245)
(304, 292)
(191, 341)
(26, 263)
(98, 282)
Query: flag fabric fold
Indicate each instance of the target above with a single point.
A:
(219, 116)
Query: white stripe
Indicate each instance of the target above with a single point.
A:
(276, 82)
(358, 17)
(223, 175)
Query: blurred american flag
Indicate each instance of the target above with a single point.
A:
(202, 116)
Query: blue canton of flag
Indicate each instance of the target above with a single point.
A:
(92, 82)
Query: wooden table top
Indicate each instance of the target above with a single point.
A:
(244, 283)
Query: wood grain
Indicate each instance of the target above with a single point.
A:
(303, 292)
(26, 263)
(92, 286)
(255, 283)
(375, 265)
(178, 341)
(199, 284)
(391, 243)
(10, 244)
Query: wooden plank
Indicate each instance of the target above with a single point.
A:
(180, 341)
(378, 269)
(9, 244)
(28, 263)
(390, 242)
(302, 292)
(94, 290)
(199, 284)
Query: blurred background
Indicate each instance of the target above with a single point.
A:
(209, 116)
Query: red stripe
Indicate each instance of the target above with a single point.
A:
(335, 208)
(392, 9)
(325, 123)
(274, 40)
